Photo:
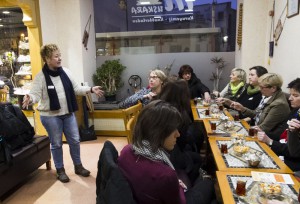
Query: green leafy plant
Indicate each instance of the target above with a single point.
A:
(219, 67)
(108, 75)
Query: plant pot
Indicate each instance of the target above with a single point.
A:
(110, 98)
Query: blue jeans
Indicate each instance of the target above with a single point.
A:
(55, 127)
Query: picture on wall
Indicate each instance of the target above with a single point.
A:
(292, 8)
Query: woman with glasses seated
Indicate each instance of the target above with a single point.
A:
(196, 87)
(289, 145)
(156, 80)
(273, 109)
(146, 163)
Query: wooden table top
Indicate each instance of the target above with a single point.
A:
(222, 166)
(198, 118)
(210, 132)
(226, 188)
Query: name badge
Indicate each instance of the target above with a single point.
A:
(250, 98)
(50, 87)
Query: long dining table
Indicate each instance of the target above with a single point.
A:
(232, 162)
(227, 182)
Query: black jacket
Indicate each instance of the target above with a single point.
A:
(197, 89)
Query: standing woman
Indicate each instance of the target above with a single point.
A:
(196, 87)
(54, 90)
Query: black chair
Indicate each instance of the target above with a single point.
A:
(111, 185)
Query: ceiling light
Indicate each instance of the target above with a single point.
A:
(6, 12)
(189, 0)
(157, 16)
(1, 25)
(188, 10)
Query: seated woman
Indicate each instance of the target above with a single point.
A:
(273, 110)
(290, 150)
(156, 80)
(146, 163)
(196, 87)
(251, 95)
(235, 87)
(185, 155)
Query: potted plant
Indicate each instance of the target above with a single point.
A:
(220, 64)
(108, 75)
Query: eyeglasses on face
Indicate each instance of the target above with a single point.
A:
(153, 77)
(265, 87)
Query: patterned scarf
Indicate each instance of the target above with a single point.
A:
(260, 108)
(160, 155)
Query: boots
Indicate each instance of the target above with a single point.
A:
(80, 170)
(61, 175)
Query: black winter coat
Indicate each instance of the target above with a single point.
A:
(196, 87)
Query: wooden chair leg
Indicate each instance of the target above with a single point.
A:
(48, 165)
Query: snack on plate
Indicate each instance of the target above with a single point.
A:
(241, 149)
(270, 188)
(204, 103)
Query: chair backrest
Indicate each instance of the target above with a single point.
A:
(131, 115)
(111, 185)
(129, 127)
(3, 93)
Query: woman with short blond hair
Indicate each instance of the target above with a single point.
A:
(273, 109)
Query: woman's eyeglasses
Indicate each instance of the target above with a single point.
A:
(153, 77)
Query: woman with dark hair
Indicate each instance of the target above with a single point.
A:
(185, 155)
(146, 163)
(196, 87)
(291, 149)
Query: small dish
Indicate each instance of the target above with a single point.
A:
(253, 159)
(239, 150)
(269, 189)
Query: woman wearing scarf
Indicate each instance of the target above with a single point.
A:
(146, 163)
(273, 109)
(236, 86)
(54, 90)
(289, 145)
(251, 95)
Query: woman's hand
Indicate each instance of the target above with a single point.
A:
(237, 106)
(150, 95)
(294, 124)
(97, 90)
(207, 97)
(262, 137)
(26, 101)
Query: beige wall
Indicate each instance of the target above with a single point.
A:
(256, 37)
(63, 23)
